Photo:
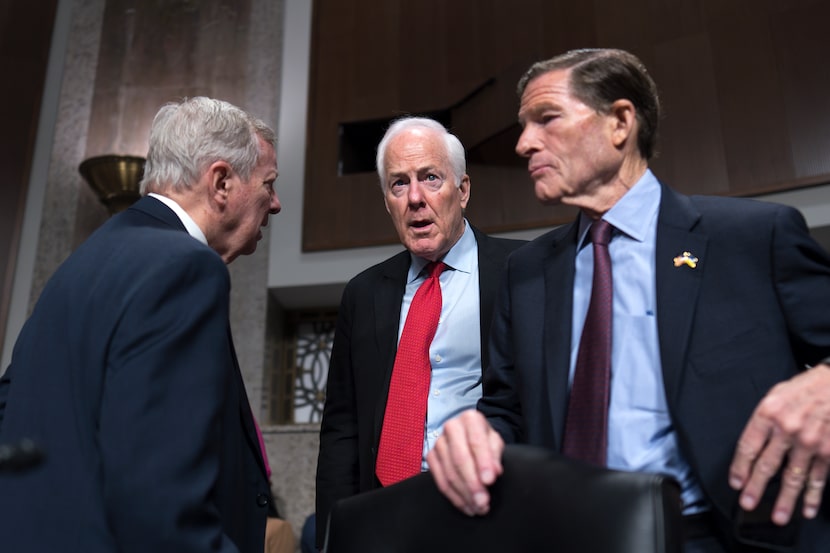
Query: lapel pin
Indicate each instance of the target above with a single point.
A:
(685, 259)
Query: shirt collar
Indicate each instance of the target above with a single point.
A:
(461, 257)
(633, 213)
(188, 222)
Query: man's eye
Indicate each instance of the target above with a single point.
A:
(433, 180)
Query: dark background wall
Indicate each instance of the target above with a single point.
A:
(744, 84)
(25, 36)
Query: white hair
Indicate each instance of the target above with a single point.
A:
(187, 136)
(453, 146)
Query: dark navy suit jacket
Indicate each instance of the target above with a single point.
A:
(125, 375)
(365, 344)
(754, 312)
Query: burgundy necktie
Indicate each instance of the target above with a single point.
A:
(586, 424)
(402, 436)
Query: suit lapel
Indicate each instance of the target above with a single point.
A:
(387, 314)
(490, 268)
(558, 267)
(677, 287)
(245, 414)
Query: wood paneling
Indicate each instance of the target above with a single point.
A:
(743, 84)
(25, 37)
(801, 46)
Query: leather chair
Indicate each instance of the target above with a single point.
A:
(542, 502)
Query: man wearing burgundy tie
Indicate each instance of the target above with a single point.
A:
(389, 354)
(716, 306)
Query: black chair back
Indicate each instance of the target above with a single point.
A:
(541, 503)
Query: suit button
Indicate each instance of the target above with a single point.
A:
(262, 500)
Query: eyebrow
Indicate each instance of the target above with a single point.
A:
(419, 170)
(536, 110)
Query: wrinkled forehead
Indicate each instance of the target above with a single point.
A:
(414, 150)
(544, 91)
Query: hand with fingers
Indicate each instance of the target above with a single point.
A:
(465, 460)
(789, 429)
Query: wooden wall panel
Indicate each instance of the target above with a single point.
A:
(25, 38)
(750, 99)
(800, 39)
(744, 91)
(692, 129)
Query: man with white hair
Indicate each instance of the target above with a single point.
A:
(125, 374)
(363, 444)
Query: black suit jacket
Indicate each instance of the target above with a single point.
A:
(363, 354)
(126, 375)
(753, 313)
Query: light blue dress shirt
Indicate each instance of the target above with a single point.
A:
(641, 436)
(455, 353)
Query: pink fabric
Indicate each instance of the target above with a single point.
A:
(262, 448)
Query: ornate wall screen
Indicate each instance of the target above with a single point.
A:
(298, 383)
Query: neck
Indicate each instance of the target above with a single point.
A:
(607, 194)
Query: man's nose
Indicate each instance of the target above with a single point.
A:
(415, 193)
(275, 206)
(526, 143)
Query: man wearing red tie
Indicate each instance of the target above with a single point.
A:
(407, 351)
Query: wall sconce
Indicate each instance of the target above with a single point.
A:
(114, 179)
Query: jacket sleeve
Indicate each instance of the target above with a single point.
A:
(801, 272)
(337, 464)
(500, 401)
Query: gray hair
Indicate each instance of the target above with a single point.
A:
(453, 146)
(187, 136)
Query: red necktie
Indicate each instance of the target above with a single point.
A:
(586, 424)
(402, 436)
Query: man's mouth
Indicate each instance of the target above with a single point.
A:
(536, 169)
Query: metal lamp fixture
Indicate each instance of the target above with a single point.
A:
(114, 179)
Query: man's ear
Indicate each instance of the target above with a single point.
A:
(623, 118)
(464, 191)
(220, 173)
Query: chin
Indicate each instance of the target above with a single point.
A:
(418, 250)
(431, 255)
(546, 198)
(419, 246)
